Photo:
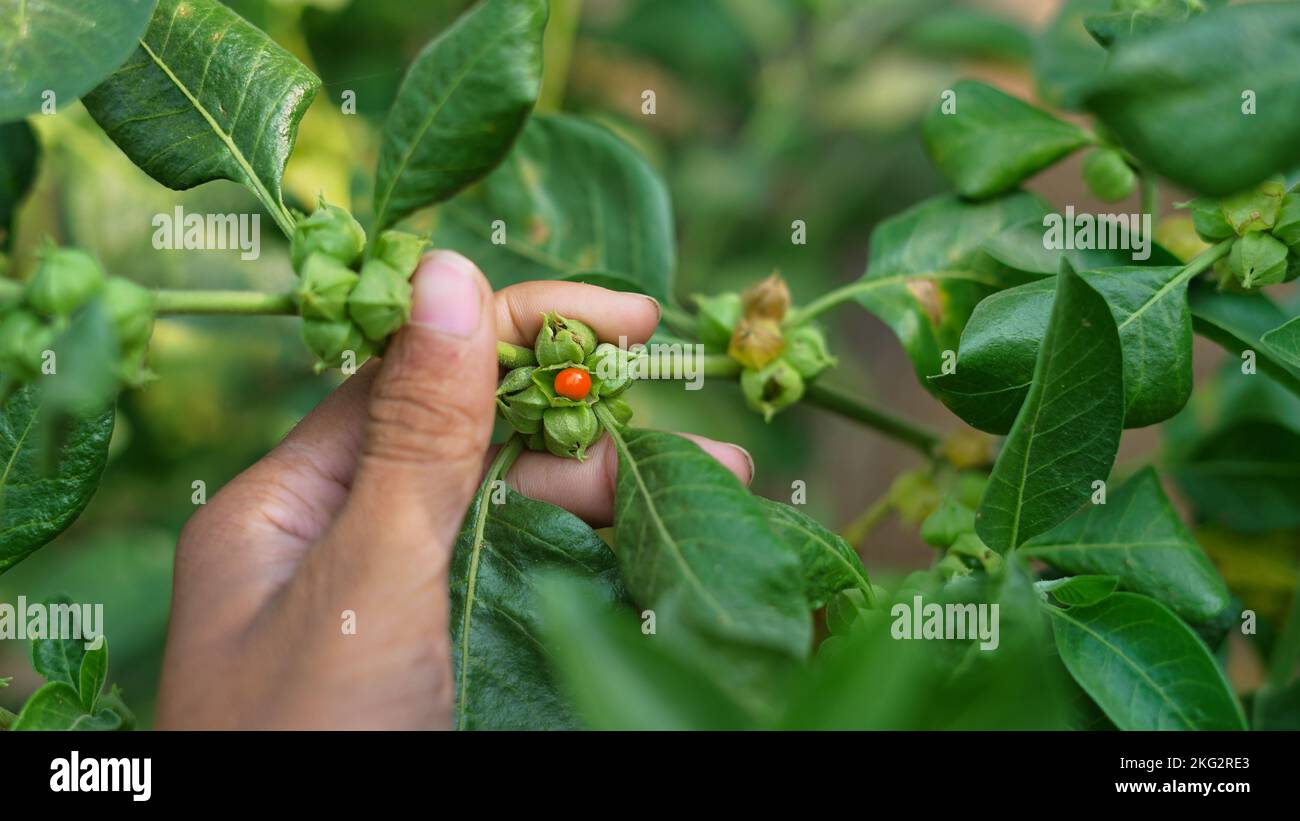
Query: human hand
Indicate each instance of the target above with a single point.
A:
(358, 510)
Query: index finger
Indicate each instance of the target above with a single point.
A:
(610, 314)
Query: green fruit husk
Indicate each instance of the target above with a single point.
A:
(330, 230)
(324, 288)
(381, 301)
(1108, 176)
(64, 281)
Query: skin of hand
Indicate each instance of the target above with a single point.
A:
(358, 510)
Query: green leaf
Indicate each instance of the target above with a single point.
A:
(1020, 247)
(1251, 471)
(18, 154)
(63, 46)
(1000, 344)
(39, 505)
(1079, 591)
(502, 671)
(207, 96)
(1174, 98)
(1238, 322)
(1144, 667)
(1137, 537)
(1284, 342)
(57, 706)
(1067, 433)
(620, 678)
(829, 563)
(1277, 708)
(992, 141)
(926, 270)
(91, 676)
(1067, 59)
(1108, 29)
(461, 105)
(572, 198)
(968, 33)
(695, 546)
(876, 678)
(60, 659)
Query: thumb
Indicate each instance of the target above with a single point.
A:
(430, 414)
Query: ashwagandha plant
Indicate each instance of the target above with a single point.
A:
(1075, 603)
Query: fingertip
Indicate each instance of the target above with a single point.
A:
(732, 457)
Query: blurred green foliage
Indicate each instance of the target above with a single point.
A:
(768, 111)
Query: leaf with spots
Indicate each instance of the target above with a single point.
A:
(1066, 434)
(927, 271)
(570, 199)
(207, 96)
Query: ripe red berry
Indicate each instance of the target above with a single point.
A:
(573, 383)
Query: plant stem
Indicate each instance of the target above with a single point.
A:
(825, 302)
(514, 356)
(224, 302)
(1201, 262)
(557, 45)
(834, 400)
(857, 531)
(504, 461)
(1150, 194)
(678, 321)
(719, 365)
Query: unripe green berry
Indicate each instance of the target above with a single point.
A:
(24, 338)
(329, 340)
(717, 318)
(771, 388)
(131, 309)
(64, 281)
(381, 301)
(805, 349)
(400, 250)
(1108, 176)
(562, 341)
(570, 431)
(324, 288)
(1258, 259)
(330, 230)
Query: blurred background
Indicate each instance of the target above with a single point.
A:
(768, 111)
